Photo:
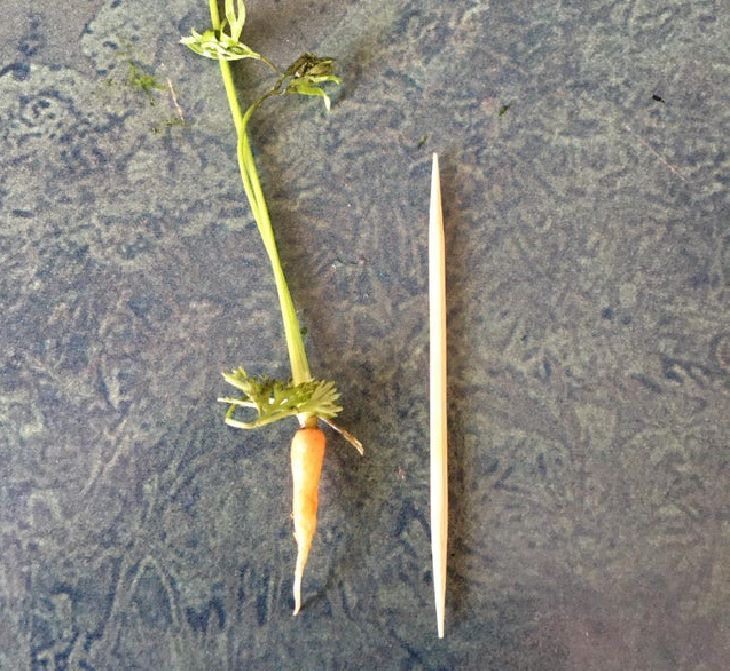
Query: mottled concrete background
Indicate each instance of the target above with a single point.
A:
(585, 162)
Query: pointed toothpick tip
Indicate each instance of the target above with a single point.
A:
(435, 182)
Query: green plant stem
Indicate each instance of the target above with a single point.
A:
(252, 187)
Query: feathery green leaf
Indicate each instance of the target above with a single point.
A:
(275, 399)
(223, 48)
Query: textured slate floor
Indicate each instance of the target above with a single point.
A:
(590, 337)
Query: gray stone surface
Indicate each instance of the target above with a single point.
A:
(589, 273)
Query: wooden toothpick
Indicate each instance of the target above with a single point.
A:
(439, 471)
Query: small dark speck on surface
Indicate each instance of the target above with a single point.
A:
(673, 375)
(658, 98)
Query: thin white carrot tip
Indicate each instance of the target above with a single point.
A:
(297, 594)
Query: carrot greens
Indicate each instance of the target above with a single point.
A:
(272, 400)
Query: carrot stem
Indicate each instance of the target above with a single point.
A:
(254, 193)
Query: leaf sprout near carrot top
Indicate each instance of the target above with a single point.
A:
(264, 400)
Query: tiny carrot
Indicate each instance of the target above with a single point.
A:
(308, 399)
(307, 455)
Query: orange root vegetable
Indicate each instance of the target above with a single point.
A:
(307, 455)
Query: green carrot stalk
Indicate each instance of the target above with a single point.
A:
(252, 186)
(302, 396)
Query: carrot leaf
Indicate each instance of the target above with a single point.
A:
(218, 45)
(305, 89)
(219, 48)
(274, 400)
(306, 75)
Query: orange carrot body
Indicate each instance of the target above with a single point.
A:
(307, 455)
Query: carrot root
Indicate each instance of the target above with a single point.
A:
(307, 455)
(302, 553)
